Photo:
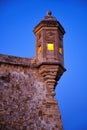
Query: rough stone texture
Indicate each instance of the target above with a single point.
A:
(25, 101)
(27, 85)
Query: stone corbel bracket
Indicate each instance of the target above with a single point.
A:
(51, 73)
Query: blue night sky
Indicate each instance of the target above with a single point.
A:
(17, 20)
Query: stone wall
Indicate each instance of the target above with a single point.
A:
(25, 101)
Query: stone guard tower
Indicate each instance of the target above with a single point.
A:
(49, 50)
(27, 84)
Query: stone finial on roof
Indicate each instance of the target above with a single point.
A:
(49, 13)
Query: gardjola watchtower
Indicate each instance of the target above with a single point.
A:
(49, 50)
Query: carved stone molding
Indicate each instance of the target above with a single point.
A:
(50, 35)
(51, 74)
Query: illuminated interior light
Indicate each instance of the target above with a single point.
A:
(39, 49)
(61, 50)
(50, 46)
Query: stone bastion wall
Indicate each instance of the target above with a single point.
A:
(24, 97)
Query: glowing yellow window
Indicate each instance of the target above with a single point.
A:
(50, 46)
(39, 49)
(61, 50)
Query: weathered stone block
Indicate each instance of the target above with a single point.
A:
(24, 104)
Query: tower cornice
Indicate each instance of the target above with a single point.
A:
(49, 23)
